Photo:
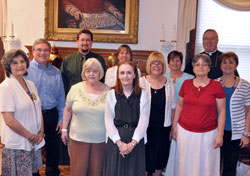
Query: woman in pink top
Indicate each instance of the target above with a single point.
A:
(197, 134)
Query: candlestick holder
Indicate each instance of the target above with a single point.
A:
(168, 45)
(8, 41)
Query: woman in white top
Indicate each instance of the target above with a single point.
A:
(162, 106)
(22, 133)
(126, 120)
(85, 104)
(124, 53)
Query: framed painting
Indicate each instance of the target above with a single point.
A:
(114, 21)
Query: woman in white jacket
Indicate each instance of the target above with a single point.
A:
(162, 100)
(124, 53)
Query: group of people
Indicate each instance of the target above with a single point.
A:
(118, 123)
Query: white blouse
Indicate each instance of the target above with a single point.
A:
(13, 98)
(111, 76)
(170, 98)
(141, 128)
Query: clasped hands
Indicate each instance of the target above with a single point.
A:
(36, 138)
(126, 148)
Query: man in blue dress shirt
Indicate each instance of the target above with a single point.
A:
(48, 82)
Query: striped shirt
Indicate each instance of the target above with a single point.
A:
(238, 102)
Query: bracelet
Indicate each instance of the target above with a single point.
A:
(247, 135)
(64, 129)
(133, 144)
(42, 132)
(119, 146)
(32, 138)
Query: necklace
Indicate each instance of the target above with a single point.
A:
(233, 85)
(201, 85)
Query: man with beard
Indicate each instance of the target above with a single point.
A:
(210, 42)
(71, 67)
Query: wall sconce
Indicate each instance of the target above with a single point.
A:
(167, 45)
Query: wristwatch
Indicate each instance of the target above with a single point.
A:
(246, 135)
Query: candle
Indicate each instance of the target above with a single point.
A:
(174, 34)
(12, 29)
(162, 32)
(4, 29)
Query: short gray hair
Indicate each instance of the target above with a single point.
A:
(40, 41)
(90, 63)
(205, 58)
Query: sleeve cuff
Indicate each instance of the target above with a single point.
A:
(115, 138)
(136, 137)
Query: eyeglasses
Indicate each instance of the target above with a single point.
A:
(85, 40)
(202, 65)
(156, 63)
(42, 50)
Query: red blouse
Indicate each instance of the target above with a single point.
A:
(199, 106)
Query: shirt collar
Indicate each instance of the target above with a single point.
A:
(84, 55)
(39, 65)
(210, 53)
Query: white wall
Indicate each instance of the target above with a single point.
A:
(28, 19)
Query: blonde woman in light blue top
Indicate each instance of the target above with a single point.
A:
(85, 105)
(176, 75)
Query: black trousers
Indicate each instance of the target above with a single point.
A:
(230, 154)
(51, 141)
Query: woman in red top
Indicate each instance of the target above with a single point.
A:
(196, 132)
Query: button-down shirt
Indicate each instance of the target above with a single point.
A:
(48, 82)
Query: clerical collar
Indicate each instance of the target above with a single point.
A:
(210, 53)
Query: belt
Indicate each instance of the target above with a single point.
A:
(126, 126)
(48, 110)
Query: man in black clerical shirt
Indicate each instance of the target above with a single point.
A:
(210, 42)
(71, 67)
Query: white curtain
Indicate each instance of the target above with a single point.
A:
(186, 22)
(236, 4)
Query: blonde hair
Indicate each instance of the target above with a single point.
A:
(155, 56)
(92, 63)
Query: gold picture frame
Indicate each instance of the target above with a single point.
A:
(129, 33)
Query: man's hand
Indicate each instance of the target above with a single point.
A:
(59, 128)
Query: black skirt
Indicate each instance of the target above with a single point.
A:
(157, 148)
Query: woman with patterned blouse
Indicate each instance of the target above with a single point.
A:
(85, 104)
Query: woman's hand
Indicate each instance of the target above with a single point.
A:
(32, 139)
(244, 141)
(39, 137)
(64, 137)
(173, 133)
(124, 149)
(132, 145)
(218, 141)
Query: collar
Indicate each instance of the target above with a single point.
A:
(39, 65)
(210, 53)
(84, 55)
